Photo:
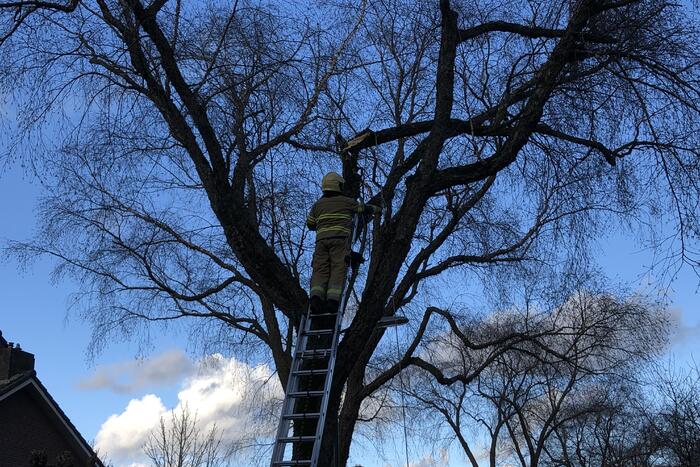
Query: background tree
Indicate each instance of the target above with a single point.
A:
(652, 423)
(672, 416)
(181, 442)
(562, 369)
(179, 142)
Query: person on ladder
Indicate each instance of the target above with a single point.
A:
(331, 218)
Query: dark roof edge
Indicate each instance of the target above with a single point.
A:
(15, 383)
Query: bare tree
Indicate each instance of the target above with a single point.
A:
(672, 416)
(180, 441)
(507, 138)
(652, 423)
(522, 401)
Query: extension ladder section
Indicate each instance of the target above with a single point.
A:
(300, 429)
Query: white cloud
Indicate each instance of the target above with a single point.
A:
(122, 435)
(443, 460)
(430, 461)
(683, 332)
(136, 375)
(222, 391)
(426, 461)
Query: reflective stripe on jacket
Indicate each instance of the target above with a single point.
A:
(331, 216)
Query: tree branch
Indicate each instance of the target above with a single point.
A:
(528, 31)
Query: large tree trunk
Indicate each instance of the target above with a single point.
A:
(348, 417)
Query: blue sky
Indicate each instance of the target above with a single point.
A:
(35, 312)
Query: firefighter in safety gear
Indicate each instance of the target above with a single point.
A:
(331, 218)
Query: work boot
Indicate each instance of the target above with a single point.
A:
(316, 305)
(387, 321)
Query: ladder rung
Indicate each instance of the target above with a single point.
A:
(314, 353)
(322, 315)
(297, 439)
(302, 416)
(298, 394)
(319, 332)
(292, 463)
(320, 371)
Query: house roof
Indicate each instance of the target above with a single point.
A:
(30, 382)
(8, 386)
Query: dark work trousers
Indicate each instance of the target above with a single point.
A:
(329, 268)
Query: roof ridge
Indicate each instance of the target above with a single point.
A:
(15, 380)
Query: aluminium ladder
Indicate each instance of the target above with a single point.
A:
(309, 384)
